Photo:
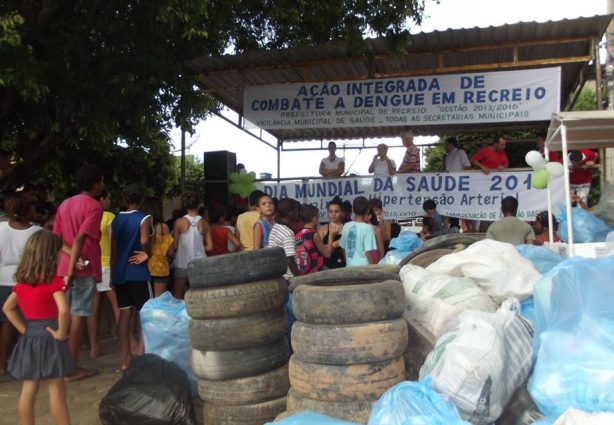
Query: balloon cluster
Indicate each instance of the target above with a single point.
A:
(242, 183)
(543, 169)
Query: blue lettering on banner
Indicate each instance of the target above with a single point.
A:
(462, 195)
(437, 182)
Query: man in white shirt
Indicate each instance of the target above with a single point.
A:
(332, 165)
(381, 164)
(456, 159)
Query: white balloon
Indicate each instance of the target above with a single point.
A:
(534, 159)
(243, 171)
(555, 169)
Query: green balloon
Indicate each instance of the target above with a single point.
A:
(539, 179)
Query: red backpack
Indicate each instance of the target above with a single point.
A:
(308, 258)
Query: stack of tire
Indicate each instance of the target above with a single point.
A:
(238, 331)
(348, 341)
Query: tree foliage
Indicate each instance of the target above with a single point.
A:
(103, 81)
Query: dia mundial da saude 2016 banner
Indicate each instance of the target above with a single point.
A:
(503, 96)
(468, 195)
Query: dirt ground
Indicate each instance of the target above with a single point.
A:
(83, 396)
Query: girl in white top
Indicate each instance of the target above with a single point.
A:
(192, 231)
(13, 237)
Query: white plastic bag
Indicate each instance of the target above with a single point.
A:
(496, 267)
(432, 298)
(577, 417)
(481, 362)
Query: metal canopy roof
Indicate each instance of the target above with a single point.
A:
(569, 44)
(584, 129)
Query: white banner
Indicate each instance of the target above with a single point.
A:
(505, 96)
(470, 195)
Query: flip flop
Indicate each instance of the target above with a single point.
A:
(82, 375)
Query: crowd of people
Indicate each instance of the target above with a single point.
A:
(58, 262)
(492, 157)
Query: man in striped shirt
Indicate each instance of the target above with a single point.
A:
(411, 160)
(282, 234)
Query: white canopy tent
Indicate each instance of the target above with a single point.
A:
(576, 130)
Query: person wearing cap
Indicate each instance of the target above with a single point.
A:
(77, 222)
(332, 165)
(580, 174)
(130, 249)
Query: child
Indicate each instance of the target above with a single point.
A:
(105, 285)
(337, 258)
(220, 234)
(130, 250)
(376, 207)
(247, 220)
(430, 208)
(371, 217)
(310, 249)
(188, 233)
(265, 223)
(429, 228)
(281, 234)
(14, 235)
(230, 221)
(42, 354)
(160, 246)
(541, 228)
(358, 237)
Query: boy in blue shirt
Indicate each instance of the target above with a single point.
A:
(430, 208)
(130, 250)
(358, 236)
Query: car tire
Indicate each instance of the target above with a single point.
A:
(238, 332)
(250, 414)
(237, 268)
(349, 344)
(250, 390)
(349, 304)
(351, 383)
(223, 365)
(236, 300)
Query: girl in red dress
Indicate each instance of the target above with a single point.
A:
(42, 354)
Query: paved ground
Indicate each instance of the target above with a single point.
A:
(83, 397)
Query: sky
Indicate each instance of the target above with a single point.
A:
(215, 134)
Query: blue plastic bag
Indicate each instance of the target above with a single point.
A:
(586, 227)
(403, 244)
(406, 242)
(311, 418)
(527, 310)
(414, 403)
(543, 259)
(165, 332)
(574, 337)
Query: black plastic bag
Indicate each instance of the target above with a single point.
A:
(152, 391)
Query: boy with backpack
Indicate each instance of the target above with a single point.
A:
(310, 249)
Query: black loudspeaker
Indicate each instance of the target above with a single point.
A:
(218, 166)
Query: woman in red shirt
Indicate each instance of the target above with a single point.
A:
(221, 234)
(42, 354)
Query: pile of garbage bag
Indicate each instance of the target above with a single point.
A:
(414, 403)
(587, 227)
(400, 246)
(574, 338)
(165, 324)
(554, 329)
(151, 391)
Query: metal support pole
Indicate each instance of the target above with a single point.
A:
(182, 180)
(599, 95)
(278, 159)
